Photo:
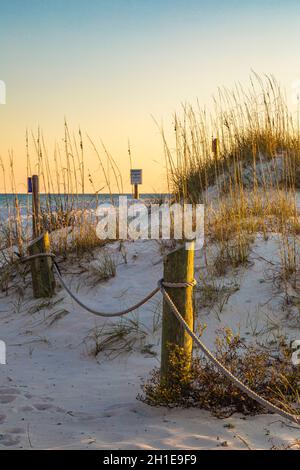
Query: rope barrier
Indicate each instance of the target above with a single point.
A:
(161, 287)
(178, 284)
(104, 314)
(226, 372)
(38, 255)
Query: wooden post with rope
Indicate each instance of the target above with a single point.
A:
(43, 281)
(178, 267)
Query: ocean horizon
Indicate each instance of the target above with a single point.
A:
(54, 202)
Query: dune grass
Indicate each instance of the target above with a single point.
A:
(243, 162)
(65, 207)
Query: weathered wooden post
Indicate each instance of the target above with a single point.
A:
(35, 206)
(43, 281)
(178, 267)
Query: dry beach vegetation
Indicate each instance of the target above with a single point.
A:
(248, 180)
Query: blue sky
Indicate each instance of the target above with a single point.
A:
(109, 65)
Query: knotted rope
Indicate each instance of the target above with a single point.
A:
(244, 388)
(161, 287)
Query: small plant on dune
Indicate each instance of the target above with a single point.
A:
(12, 275)
(104, 267)
(285, 273)
(211, 293)
(56, 219)
(289, 257)
(232, 253)
(85, 239)
(114, 339)
(176, 390)
(204, 386)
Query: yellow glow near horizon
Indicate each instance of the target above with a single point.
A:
(110, 67)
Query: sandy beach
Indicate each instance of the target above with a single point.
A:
(55, 395)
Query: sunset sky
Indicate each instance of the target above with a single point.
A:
(110, 65)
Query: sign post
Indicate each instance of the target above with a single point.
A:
(35, 206)
(136, 179)
(29, 185)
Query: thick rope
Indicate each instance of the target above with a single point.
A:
(161, 287)
(37, 255)
(79, 302)
(104, 314)
(223, 369)
(179, 284)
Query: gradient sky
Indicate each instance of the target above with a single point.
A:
(108, 65)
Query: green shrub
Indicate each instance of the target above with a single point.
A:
(204, 386)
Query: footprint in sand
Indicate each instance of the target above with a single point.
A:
(16, 431)
(8, 395)
(10, 437)
(8, 440)
(48, 406)
(43, 406)
(2, 418)
(9, 391)
(26, 408)
(4, 399)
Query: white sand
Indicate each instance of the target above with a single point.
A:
(54, 395)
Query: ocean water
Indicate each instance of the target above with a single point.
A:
(58, 202)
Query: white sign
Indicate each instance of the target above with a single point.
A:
(136, 176)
